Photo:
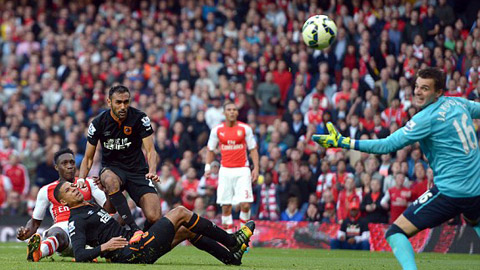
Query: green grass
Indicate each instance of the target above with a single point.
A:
(12, 256)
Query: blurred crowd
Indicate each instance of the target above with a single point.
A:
(183, 59)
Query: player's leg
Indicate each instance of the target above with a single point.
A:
(243, 193)
(181, 216)
(225, 191)
(144, 194)
(227, 218)
(150, 204)
(54, 240)
(206, 244)
(112, 182)
(429, 210)
(472, 212)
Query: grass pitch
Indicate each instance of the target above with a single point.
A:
(13, 256)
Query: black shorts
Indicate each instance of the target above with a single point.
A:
(433, 208)
(155, 243)
(134, 183)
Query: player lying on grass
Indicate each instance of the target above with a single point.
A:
(56, 237)
(91, 225)
(445, 131)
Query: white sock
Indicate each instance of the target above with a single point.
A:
(244, 217)
(49, 246)
(227, 223)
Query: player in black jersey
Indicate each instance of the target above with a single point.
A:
(122, 131)
(91, 225)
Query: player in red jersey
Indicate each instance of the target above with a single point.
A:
(56, 237)
(234, 178)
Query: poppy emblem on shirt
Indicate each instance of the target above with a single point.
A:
(127, 130)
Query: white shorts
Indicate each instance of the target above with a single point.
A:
(234, 186)
(68, 252)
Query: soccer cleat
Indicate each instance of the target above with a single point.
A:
(237, 256)
(33, 249)
(137, 236)
(243, 235)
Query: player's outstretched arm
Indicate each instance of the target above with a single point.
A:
(87, 161)
(333, 139)
(23, 233)
(412, 132)
(151, 158)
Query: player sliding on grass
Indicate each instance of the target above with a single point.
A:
(446, 134)
(56, 238)
(91, 225)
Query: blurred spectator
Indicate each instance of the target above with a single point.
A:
(397, 198)
(370, 205)
(313, 214)
(18, 175)
(268, 96)
(293, 211)
(5, 188)
(166, 184)
(353, 233)
(268, 208)
(346, 197)
(207, 187)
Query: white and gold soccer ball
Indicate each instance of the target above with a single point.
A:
(319, 32)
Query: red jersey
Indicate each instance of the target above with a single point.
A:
(189, 188)
(399, 199)
(18, 176)
(343, 203)
(61, 212)
(234, 142)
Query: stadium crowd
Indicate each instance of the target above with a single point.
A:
(182, 59)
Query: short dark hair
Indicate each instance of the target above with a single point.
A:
(227, 102)
(56, 191)
(433, 73)
(61, 152)
(117, 89)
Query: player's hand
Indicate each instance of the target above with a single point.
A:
(23, 233)
(114, 243)
(254, 175)
(98, 183)
(342, 238)
(333, 139)
(80, 183)
(152, 176)
(207, 173)
(351, 241)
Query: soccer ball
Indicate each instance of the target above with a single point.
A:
(319, 32)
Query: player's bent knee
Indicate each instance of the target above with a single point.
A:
(111, 183)
(394, 229)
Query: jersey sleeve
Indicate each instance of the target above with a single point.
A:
(97, 194)
(76, 228)
(249, 138)
(145, 126)
(474, 108)
(416, 129)
(41, 204)
(93, 133)
(213, 139)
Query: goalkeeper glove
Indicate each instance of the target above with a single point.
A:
(333, 139)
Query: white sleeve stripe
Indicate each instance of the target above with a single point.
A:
(98, 195)
(213, 139)
(41, 204)
(249, 138)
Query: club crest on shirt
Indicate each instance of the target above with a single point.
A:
(127, 130)
(239, 133)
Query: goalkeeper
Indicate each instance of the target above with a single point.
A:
(445, 131)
